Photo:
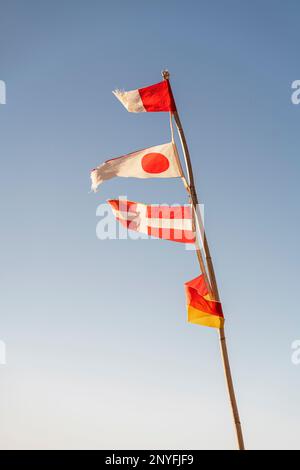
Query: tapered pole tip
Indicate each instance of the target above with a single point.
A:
(165, 74)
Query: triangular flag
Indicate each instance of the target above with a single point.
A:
(202, 309)
(153, 98)
(172, 223)
(161, 161)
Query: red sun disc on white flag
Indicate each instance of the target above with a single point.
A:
(155, 163)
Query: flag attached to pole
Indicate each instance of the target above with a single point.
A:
(154, 98)
(172, 223)
(161, 161)
(202, 309)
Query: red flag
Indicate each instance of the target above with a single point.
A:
(202, 309)
(154, 98)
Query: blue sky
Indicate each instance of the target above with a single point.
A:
(99, 353)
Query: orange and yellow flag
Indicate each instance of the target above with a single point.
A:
(201, 308)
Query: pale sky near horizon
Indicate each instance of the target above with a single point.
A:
(99, 353)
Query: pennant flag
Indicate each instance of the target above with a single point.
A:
(162, 221)
(202, 309)
(161, 161)
(154, 98)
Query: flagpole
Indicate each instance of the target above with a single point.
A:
(213, 287)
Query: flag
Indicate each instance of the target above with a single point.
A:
(162, 221)
(202, 309)
(152, 98)
(161, 161)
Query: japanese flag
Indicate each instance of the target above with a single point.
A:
(161, 161)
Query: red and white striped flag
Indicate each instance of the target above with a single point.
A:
(162, 221)
(154, 98)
